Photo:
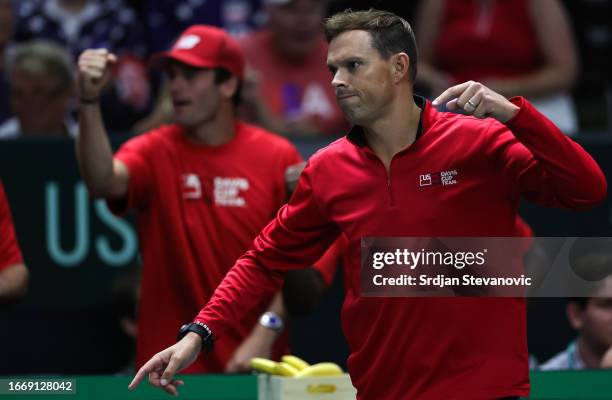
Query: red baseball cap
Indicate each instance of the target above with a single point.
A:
(207, 47)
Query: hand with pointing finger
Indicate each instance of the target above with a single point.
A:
(476, 99)
(162, 367)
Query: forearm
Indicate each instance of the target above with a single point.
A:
(277, 305)
(266, 335)
(94, 152)
(298, 237)
(242, 288)
(13, 282)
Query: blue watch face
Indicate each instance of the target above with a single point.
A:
(271, 320)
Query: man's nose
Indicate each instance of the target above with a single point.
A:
(339, 79)
(177, 82)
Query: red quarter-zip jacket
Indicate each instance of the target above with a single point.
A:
(420, 348)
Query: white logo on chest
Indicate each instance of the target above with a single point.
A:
(442, 178)
(227, 191)
(192, 188)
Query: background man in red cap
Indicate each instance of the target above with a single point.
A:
(203, 188)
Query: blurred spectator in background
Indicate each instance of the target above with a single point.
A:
(41, 87)
(13, 272)
(166, 19)
(6, 32)
(126, 299)
(592, 318)
(83, 24)
(519, 47)
(288, 89)
(203, 187)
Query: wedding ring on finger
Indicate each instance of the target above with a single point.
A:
(472, 104)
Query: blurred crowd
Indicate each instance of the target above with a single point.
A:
(287, 87)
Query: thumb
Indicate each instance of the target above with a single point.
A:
(168, 375)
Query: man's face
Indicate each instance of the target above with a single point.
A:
(362, 79)
(595, 321)
(195, 96)
(297, 26)
(39, 102)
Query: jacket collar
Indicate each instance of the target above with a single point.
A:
(357, 136)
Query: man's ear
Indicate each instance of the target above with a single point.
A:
(575, 315)
(229, 87)
(400, 66)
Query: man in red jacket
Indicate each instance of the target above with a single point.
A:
(367, 184)
(203, 188)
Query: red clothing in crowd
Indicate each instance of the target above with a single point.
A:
(9, 248)
(500, 35)
(199, 208)
(292, 90)
(420, 348)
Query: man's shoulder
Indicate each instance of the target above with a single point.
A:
(334, 152)
(161, 133)
(159, 137)
(263, 138)
(9, 129)
(557, 362)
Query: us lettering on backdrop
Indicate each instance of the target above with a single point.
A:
(72, 244)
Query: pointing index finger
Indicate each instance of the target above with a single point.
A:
(142, 372)
(137, 379)
(450, 93)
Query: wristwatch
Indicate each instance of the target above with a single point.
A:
(271, 320)
(201, 329)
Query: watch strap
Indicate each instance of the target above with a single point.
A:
(202, 330)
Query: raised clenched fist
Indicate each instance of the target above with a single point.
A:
(94, 72)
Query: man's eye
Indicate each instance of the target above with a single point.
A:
(352, 65)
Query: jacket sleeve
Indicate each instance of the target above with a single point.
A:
(545, 165)
(10, 253)
(296, 238)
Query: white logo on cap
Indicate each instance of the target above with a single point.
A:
(187, 42)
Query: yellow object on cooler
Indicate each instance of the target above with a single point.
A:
(285, 369)
(320, 369)
(295, 362)
(263, 365)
